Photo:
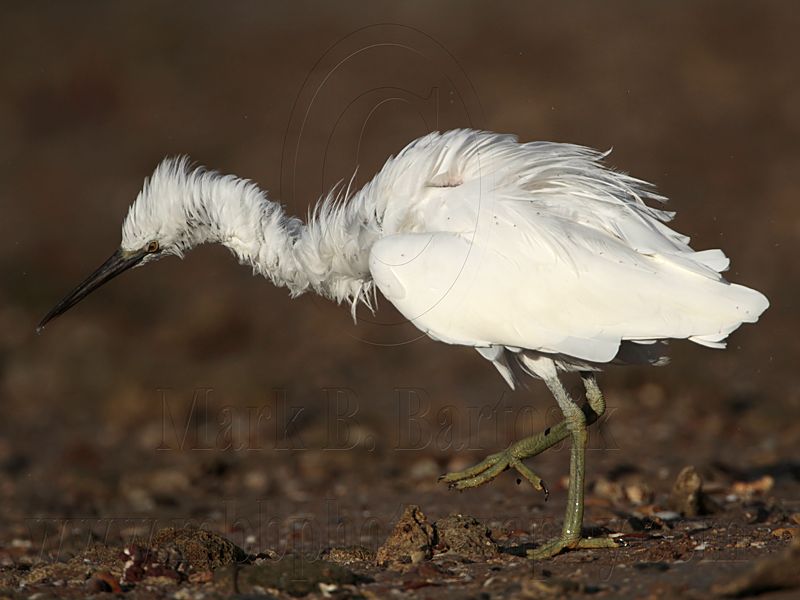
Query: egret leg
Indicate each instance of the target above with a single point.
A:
(575, 420)
(512, 457)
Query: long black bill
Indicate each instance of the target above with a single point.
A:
(118, 263)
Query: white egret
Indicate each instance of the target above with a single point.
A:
(535, 254)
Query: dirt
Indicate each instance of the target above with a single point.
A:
(465, 536)
(189, 431)
(411, 541)
(657, 555)
(767, 575)
(79, 569)
(179, 555)
(296, 576)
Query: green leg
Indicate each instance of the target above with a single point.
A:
(512, 457)
(575, 420)
(574, 425)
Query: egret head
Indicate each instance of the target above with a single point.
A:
(156, 225)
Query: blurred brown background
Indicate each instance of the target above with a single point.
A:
(701, 98)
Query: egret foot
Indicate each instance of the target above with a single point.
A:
(491, 467)
(559, 545)
(576, 419)
(512, 457)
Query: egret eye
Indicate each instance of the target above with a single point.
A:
(152, 247)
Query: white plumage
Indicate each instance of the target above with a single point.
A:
(537, 255)
(515, 249)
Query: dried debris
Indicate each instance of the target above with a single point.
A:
(176, 555)
(78, 569)
(411, 541)
(196, 549)
(466, 536)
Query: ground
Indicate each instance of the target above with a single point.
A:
(381, 522)
(190, 431)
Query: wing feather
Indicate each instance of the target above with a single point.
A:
(541, 247)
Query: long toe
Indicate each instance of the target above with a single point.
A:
(476, 470)
(560, 544)
(481, 478)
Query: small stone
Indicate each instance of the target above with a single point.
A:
(103, 582)
(638, 493)
(257, 481)
(747, 489)
(687, 497)
(667, 515)
(611, 490)
(424, 469)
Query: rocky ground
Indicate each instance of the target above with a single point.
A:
(359, 524)
(751, 550)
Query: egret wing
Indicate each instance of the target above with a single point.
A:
(539, 246)
(528, 281)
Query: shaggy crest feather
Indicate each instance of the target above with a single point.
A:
(182, 206)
